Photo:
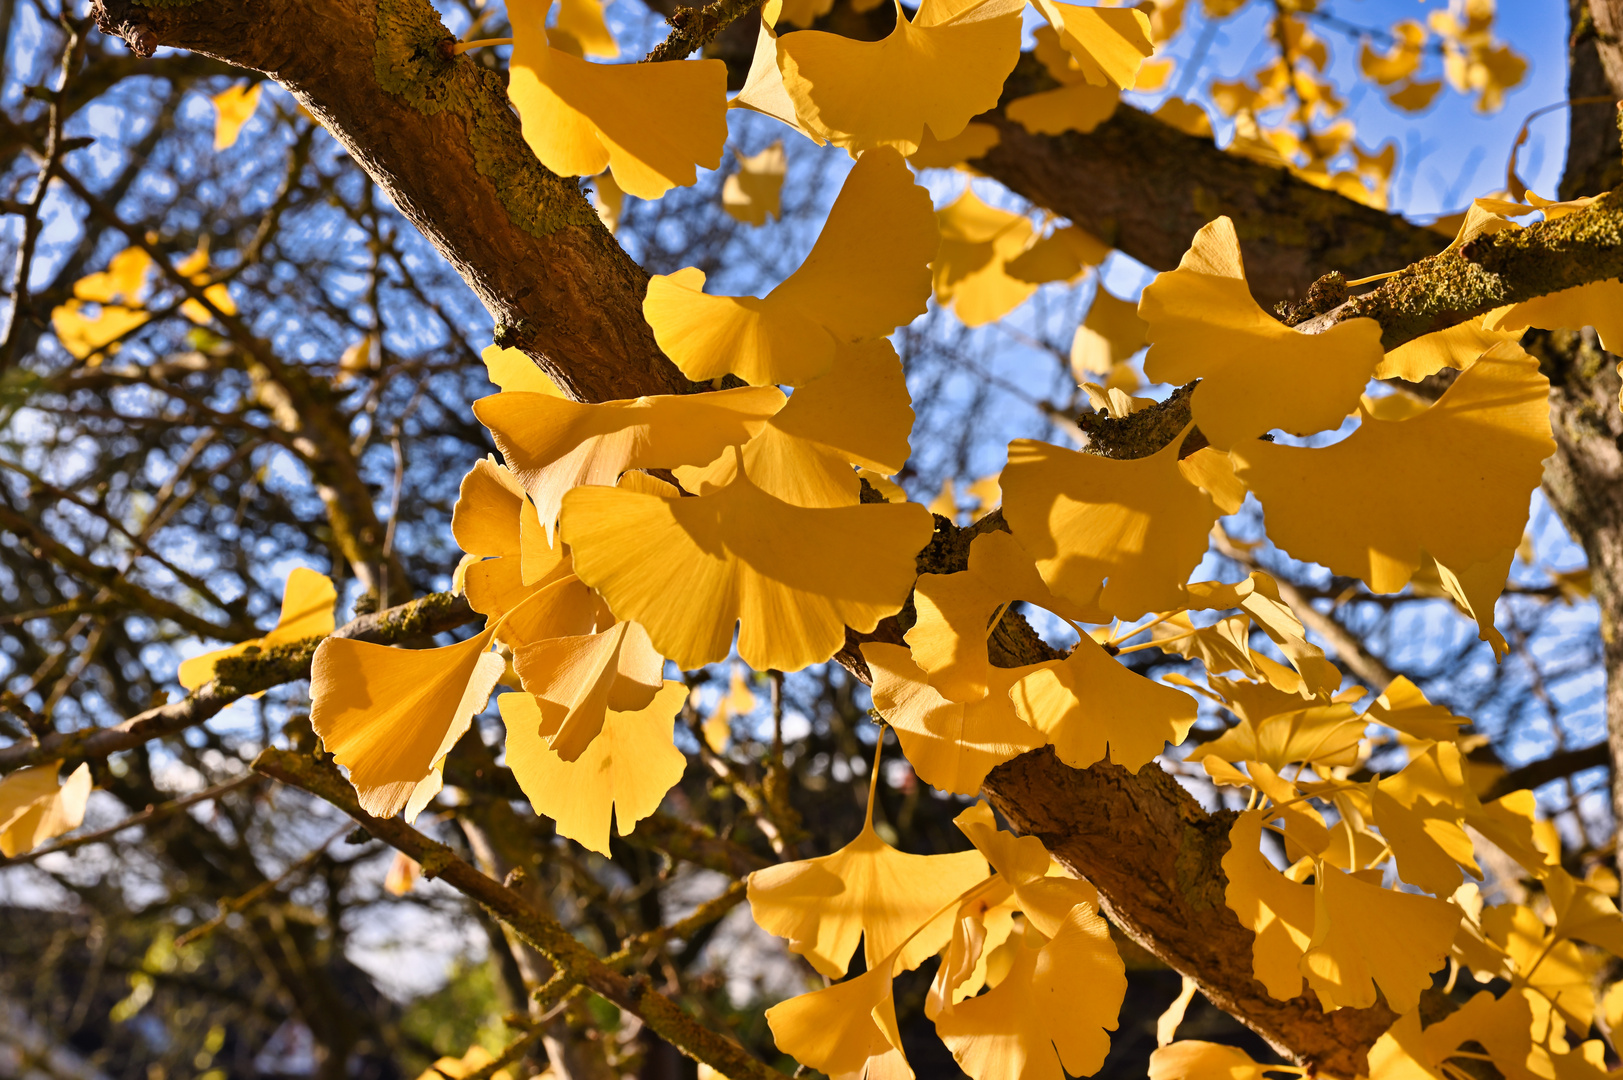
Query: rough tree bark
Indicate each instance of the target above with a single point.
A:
(438, 138)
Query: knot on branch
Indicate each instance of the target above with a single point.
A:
(1324, 295)
(135, 24)
(1144, 432)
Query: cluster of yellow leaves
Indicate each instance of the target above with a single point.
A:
(1027, 935)
(35, 806)
(119, 294)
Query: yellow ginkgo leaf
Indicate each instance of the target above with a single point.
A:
(1277, 730)
(751, 194)
(1077, 107)
(857, 414)
(233, 108)
(123, 282)
(1063, 255)
(577, 680)
(847, 1030)
(1040, 888)
(1212, 471)
(1428, 842)
(494, 519)
(1364, 507)
(650, 124)
(1087, 701)
(307, 611)
(942, 68)
(1583, 912)
(763, 89)
(1403, 707)
(971, 272)
(951, 745)
(83, 336)
(1051, 1015)
(1365, 936)
(1122, 535)
(1598, 304)
(740, 701)
(388, 715)
(973, 142)
(1110, 334)
(511, 369)
(582, 23)
(1499, 1026)
(1191, 1059)
(1255, 372)
(553, 444)
(1110, 44)
(476, 1058)
(1278, 910)
(791, 578)
(893, 901)
(1258, 596)
(955, 611)
(623, 774)
(36, 807)
(865, 276)
(1456, 347)
(195, 268)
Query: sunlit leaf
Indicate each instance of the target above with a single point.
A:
(35, 806)
(307, 611)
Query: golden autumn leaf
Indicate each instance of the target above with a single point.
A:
(955, 611)
(858, 414)
(847, 1030)
(119, 291)
(493, 519)
(1403, 707)
(576, 681)
(195, 268)
(791, 578)
(971, 270)
(1598, 304)
(623, 773)
(973, 142)
(1212, 471)
(1110, 44)
(307, 611)
(553, 444)
(889, 899)
(1111, 333)
(1051, 1014)
(1278, 910)
(1040, 890)
(1122, 535)
(763, 89)
(476, 1058)
(35, 806)
(1456, 347)
(951, 745)
(1278, 729)
(751, 194)
(1366, 936)
(865, 276)
(1256, 373)
(941, 68)
(650, 124)
(512, 369)
(389, 715)
(1500, 1026)
(740, 701)
(1258, 596)
(233, 108)
(1063, 255)
(1483, 444)
(1088, 701)
(1191, 1059)
(581, 24)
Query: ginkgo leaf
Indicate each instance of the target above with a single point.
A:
(1110, 44)
(1077, 107)
(865, 276)
(1500, 1026)
(553, 444)
(1044, 894)
(970, 272)
(1255, 372)
(1428, 842)
(233, 108)
(35, 806)
(1365, 936)
(83, 336)
(1475, 591)
(1087, 701)
(307, 611)
(650, 124)
(857, 414)
(1403, 707)
(389, 714)
(1110, 334)
(951, 745)
(581, 22)
(942, 68)
(195, 268)
(740, 701)
(751, 194)
(1583, 912)
(1325, 735)
(868, 890)
(1212, 471)
(1364, 507)
(763, 89)
(1279, 911)
(1122, 535)
(1456, 347)
(1051, 1014)
(791, 578)
(847, 1030)
(1258, 596)
(1598, 304)
(1557, 973)
(1191, 1059)
(624, 772)
(577, 680)
(494, 519)
(973, 142)
(512, 369)
(123, 282)
(954, 613)
(1063, 255)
